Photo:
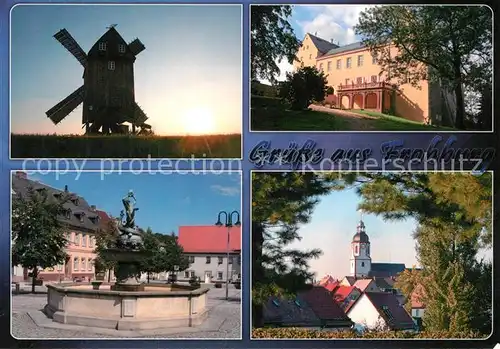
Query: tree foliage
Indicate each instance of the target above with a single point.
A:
(272, 40)
(105, 238)
(38, 235)
(451, 45)
(280, 203)
(304, 86)
(164, 253)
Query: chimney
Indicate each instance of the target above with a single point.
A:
(65, 188)
(92, 208)
(331, 41)
(21, 174)
(338, 43)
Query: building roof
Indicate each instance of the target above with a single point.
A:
(386, 269)
(383, 283)
(416, 297)
(209, 239)
(342, 292)
(82, 215)
(362, 284)
(350, 279)
(329, 283)
(322, 45)
(346, 48)
(311, 308)
(389, 308)
(321, 302)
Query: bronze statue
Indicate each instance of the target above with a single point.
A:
(129, 202)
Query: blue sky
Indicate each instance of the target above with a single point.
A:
(333, 224)
(188, 80)
(165, 201)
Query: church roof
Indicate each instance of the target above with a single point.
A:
(386, 269)
(361, 235)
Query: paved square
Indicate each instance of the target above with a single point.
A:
(223, 322)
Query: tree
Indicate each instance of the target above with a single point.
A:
(272, 40)
(105, 238)
(38, 234)
(451, 45)
(280, 203)
(303, 87)
(164, 254)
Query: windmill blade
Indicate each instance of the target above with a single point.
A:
(65, 38)
(58, 112)
(139, 115)
(136, 47)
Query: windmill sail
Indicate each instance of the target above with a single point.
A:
(139, 115)
(58, 112)
(136, 47)
(65, 38)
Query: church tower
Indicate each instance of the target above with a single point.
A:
(360, 252)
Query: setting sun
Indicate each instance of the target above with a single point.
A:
(198, 121)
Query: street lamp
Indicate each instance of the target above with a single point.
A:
(228, 224)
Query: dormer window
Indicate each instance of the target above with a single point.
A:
(276, 302)
(111, 65)
(103, 46)
(121, 48)
(80, 216)
(67, 214)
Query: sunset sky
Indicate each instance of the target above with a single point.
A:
(188, 80)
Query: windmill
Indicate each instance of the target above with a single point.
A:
(107, 92)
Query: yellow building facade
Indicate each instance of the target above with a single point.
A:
(359, 83)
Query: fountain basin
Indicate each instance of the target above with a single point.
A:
(158, 306)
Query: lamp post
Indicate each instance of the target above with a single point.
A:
(228, 224)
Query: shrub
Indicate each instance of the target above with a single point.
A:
(292, 333)
(304, 86)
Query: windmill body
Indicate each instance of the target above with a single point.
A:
(107, 93)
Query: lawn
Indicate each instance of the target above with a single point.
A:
(125, 146)
(270, 114)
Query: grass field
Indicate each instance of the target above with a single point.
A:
(269, 114)
(125, 146)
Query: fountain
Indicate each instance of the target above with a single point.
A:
(127, 304)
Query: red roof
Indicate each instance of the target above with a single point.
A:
(209, 239)
(103, 219)
(320, 301)
(332, 286)
(342, 293)
(362, 284)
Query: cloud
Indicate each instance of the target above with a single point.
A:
(225, 190)
(333, 22)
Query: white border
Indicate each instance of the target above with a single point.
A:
(381, 339)
(379, 131)
(128, 4)
(12, 172)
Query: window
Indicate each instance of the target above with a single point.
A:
(417, 313)
(362, 264)
(374, 78)
(220, 260)
(307, 47)
(192, 274)
(219, 275)
(347, 81)
(75, 263)
(374, 59)
(77, 239)
(186, 274)
(321, 66)
(387, 313)
(89, 264)
(230, 260)
(191, 259)
(68, 214)
(209, 260)
(310, 56)
(60, 267)
(339, 63)
(239, 260)
(91, 241)
(367, 250)
(111, 65)
(121, 48)
(84, 240)
(359, 81)
(103, 46)
(329, 66)
(356, 250)
(83, 264)
(348, 62)
(360, 60)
